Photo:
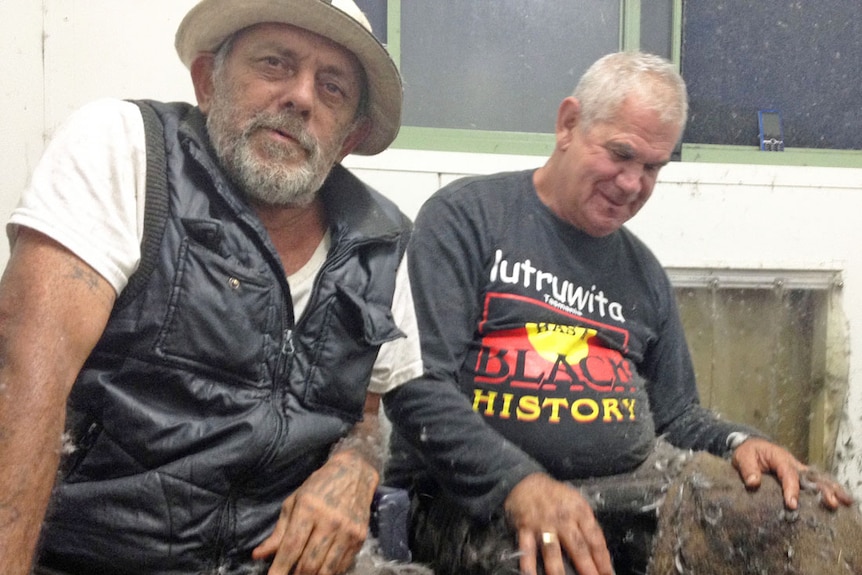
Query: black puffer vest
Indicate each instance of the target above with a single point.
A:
(205, 404)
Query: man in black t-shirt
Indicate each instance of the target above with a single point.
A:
(559, 397)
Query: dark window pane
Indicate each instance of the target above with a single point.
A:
(499, 64)
(801, 57)
(375, 11)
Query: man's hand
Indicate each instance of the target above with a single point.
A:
(756, 456)
(323, 523)
(554, 517)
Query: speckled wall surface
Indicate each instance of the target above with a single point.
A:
(802, 57)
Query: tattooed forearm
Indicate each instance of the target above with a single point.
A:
(347, 485)
(367, 443)
(92, 281)
(9, 514)
(84, 274)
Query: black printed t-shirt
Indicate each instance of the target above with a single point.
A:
(567, 346)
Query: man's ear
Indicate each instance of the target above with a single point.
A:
(202, 78)
(355, 137)
(568, 120)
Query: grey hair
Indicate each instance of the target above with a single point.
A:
(612, 78)
(222, 52)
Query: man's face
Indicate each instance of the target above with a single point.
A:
(611, 168)
(282, 111)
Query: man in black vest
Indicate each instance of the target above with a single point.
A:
(206, 308)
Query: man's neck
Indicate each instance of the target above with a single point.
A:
(294, 231)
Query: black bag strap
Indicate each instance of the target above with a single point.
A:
(155, 201)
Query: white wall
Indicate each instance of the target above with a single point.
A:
(21, 93)
(58, 54)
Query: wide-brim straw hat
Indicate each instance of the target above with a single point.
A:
(211, 22)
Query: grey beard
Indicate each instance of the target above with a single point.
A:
(274, 184)
(269, 181)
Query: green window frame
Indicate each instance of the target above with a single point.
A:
(541, 144)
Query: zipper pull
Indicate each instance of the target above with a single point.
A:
(287, 347)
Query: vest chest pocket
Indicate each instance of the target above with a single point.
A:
(219, 317)
(343, 352)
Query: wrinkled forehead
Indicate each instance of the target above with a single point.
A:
(639, 129)
(294, 39)
(646, 112)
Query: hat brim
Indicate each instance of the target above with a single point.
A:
(211, 22)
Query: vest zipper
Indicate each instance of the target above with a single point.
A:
(287, 347)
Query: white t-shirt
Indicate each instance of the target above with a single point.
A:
(87, 193)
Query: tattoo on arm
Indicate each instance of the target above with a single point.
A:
(92, 280)
(368, 445)
(84, 275)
